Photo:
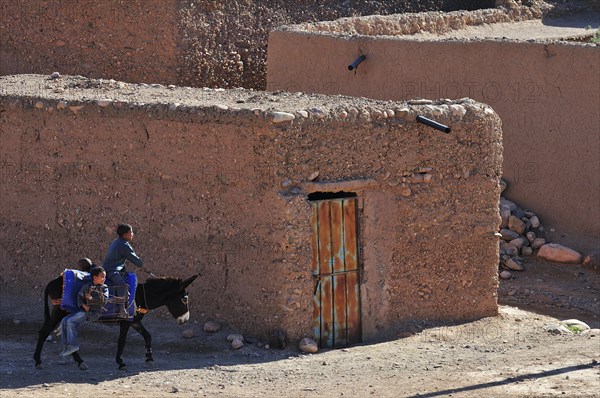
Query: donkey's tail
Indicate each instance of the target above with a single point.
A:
(46, 307)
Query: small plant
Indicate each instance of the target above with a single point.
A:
(596, 37)
(576, 329)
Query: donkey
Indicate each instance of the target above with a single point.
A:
(148, 296)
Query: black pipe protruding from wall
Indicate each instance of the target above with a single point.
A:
(434, 124)
(357, 61)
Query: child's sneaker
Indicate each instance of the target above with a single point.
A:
(68, 351)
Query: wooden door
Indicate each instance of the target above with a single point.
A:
(335, 272)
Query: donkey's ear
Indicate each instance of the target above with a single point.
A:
(187, 282)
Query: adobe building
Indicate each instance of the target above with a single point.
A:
(196, 43)
(328, 216)
(546, 91)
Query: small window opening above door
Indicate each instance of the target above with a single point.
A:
(331, 195)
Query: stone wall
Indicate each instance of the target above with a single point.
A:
(213, 186)
(192, 42)
(545, 93)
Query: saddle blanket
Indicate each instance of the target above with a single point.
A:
(73, 281)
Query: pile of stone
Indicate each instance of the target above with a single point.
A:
(522, 234)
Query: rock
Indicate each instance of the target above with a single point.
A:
(235, 336)
(318, 113)
(405, 191)
(211, 327)
(535, 222)
(303, 113)
(188, 333)
(457, 110)
(538, 242)
(308, 345)
(76, 108)
(505, 275)
(559, 253)
(526, 251)
(519, 242)
(519, 213)
(39, 105)
(420, 102)
(280, 117)
(103, 103)
(402, 112)
(503, 185)
(313, 176)
(508, 235)
(54, 76)
(377, 114)
(531, 236)
(61, 105)
(516, 224)
(513, 264)
(511, 205)
(237, 344)
(511, 250)
(504, 215)
(592, 260)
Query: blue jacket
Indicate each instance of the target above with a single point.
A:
(120, 251)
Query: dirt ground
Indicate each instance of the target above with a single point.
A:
(508, 355)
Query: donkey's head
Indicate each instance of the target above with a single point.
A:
(171, 292)
(177, 303)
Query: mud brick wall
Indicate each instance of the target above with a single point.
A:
(545, 93)
(191, 42)
(216, 187)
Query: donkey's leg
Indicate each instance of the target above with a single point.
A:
(123, 329)
(77, 358)
(49, 325)
(137, 325)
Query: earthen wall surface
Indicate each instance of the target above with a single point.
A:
(545, 93)
(213, 186)
(195, 43)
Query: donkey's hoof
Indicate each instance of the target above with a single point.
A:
(122, 366)
(39, 366)
(149, 363)
(83, 366)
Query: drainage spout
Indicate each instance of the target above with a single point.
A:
(434, 124)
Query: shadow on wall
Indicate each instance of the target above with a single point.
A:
(583, 20)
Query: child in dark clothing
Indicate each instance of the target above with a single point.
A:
(91, 297)
(119, 252)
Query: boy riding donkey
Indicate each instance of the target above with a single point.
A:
(119, 251)
(90, 299)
